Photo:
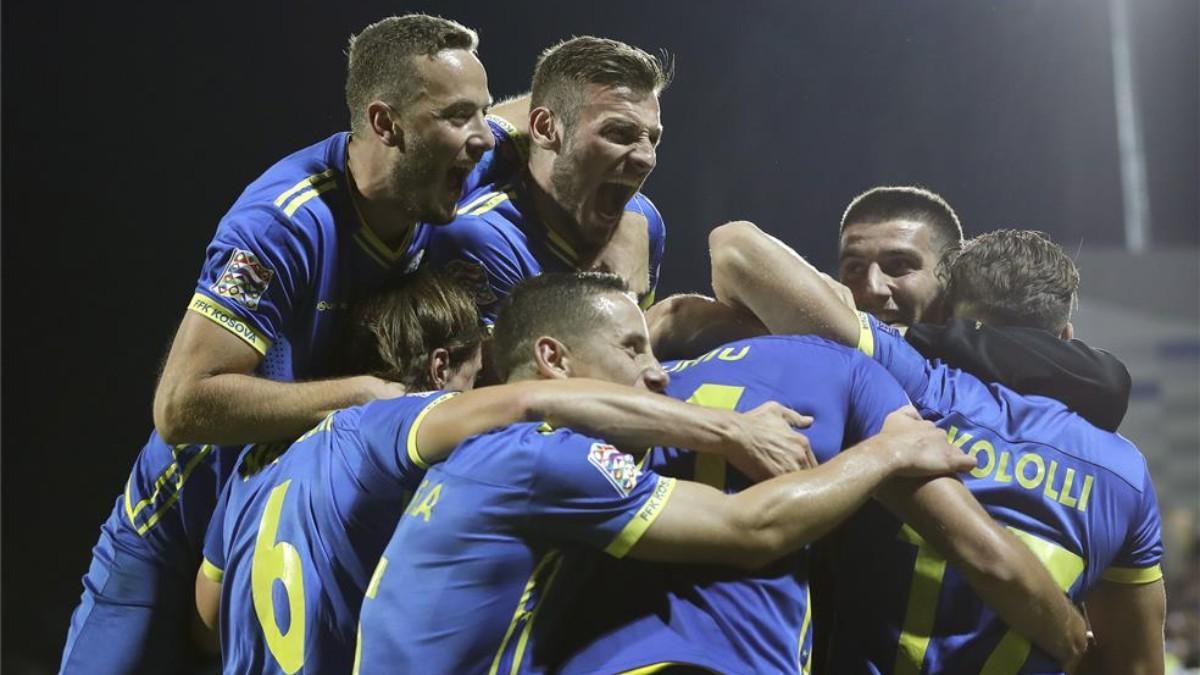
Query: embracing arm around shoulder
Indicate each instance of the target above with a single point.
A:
(515, 111)
(1001, 569)
(1128, 622)
(762, 443)
(766, 521)
(208, 392)
(757, 272)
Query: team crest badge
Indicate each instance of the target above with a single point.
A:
(619, 468)
(473, 277)
(244, 279)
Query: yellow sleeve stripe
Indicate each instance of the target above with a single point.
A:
(866, 339)
(643, 519)
(465, 208)
(304, 184)
(494, 199)
(1132, 575)
(303, 197)
(211, 571)
(413, 455)
(647, 300)
(215, 312)
(520, 141)
(505, 125)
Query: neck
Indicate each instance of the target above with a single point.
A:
(380, 210)
(548, 209)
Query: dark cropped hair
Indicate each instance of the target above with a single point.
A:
(563, 70)
(391, 333)
(886, 203)
(562, 306)
(381, 66)
(1013, 278)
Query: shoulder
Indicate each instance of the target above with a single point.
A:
(285, 195)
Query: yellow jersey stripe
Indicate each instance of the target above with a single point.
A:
(659, 667)
(493, 201)
(805, 664)
(373, 587)
(211, 571)
(643, 519)
(1132, 575)
(523, 641)
(648, 300)
(560, 242)
(216, 312)
(866, 339)
(132, 511)
(520, 613)
(303, 197)
(411, 443)
(358, 239)
(923, 595)
(307, 182)
(476, 202)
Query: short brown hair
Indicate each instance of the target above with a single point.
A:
(562, 306)
(563, 70)
(905, 202)
(1013, 278)
(380, 59)
(391, 333)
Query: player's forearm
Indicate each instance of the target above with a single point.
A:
(633, 418)
(785, 513)
(515, 111)
(686, 326)
(1001, 570)
(234, 409)
(755, 271)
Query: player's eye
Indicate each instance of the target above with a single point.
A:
(623, 135)
(852, 269)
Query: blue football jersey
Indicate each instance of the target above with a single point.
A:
(714, 617)
(495, 535)
(1080, 497)
(496, 241)
(315, 519)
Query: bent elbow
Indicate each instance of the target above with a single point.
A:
(170, 416)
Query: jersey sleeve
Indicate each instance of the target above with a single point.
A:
(926, 383)
(657, 231)
(589, 492)
(389, 428)
(256, 272)
(1139, 559)
(213, 563)
(475, 254)
(503, 161)
(874, 394)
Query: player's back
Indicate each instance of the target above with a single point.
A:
(314, 519)
(715, 617)
(492, 535)
(1079, 496)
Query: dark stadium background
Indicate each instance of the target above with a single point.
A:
(129, 128)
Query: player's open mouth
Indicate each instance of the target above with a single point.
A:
(456, 179)
(611, 198)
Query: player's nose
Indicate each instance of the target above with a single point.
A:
(878, 284)
(655, 378)
(481, 139)
(644, 157)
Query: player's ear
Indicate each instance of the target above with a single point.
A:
(439, 367)
(384, 124)
(1068, 331)
(551, 359)
(545, 129)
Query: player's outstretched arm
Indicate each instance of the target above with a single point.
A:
(1001, 569)
(699, 524)
(687, 325)
(761, 443)
(209, 394)
(1128, 622)
(753, 270)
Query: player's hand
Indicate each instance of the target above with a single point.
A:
(376, 388)
(844, 294)
(920, 448)
(770, 445)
